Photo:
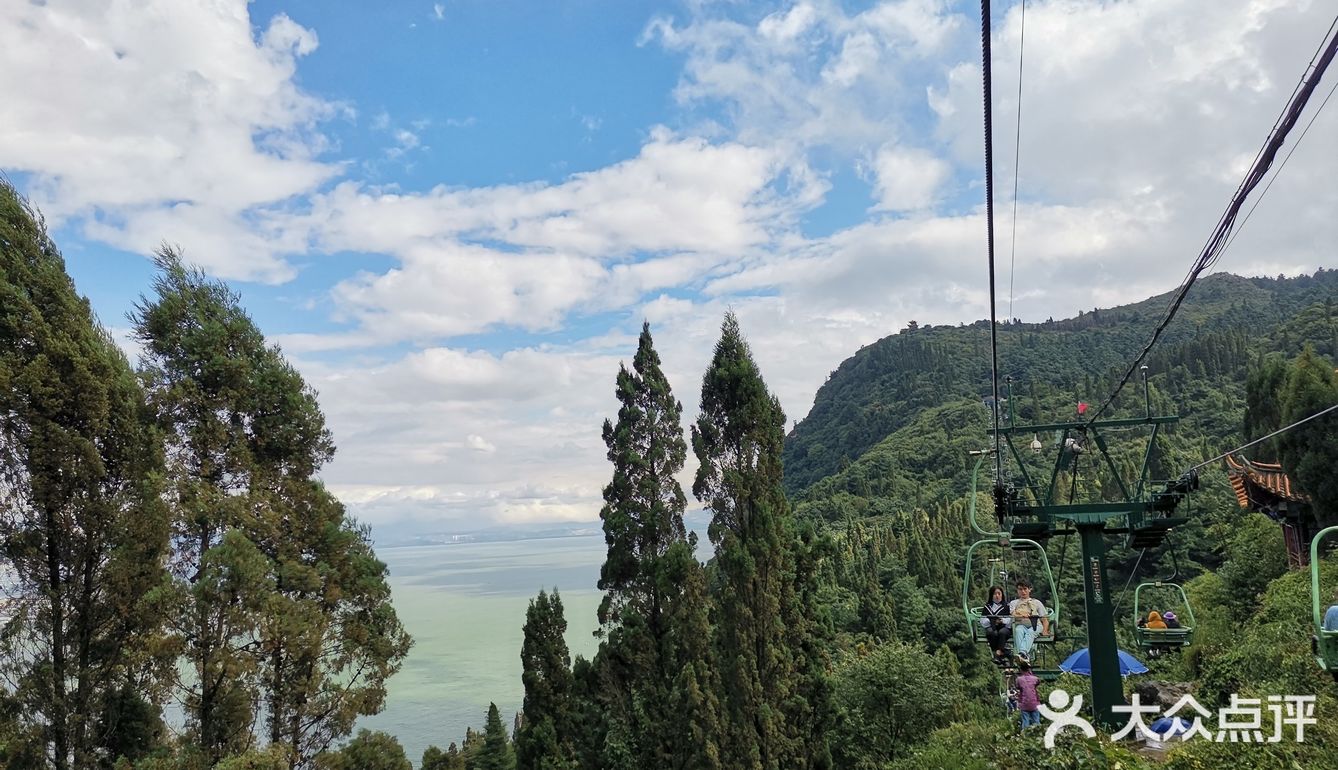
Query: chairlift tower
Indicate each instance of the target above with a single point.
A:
(1144, 515)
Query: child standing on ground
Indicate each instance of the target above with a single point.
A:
(1028, 699)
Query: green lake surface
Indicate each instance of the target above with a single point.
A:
(465, 606)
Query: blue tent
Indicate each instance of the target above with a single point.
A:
(1081, 663)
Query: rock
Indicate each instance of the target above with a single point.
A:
(1163, 694)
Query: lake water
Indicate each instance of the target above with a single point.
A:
(465, 606)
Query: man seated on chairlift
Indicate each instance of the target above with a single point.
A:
(1028, 614)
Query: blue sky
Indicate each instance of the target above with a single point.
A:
(454, 216)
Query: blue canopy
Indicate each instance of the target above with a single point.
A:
(1080, 662)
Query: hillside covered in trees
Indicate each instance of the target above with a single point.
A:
(167, 540)
(869, 538)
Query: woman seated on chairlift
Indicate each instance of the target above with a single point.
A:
(1155, 623)
(995, 619)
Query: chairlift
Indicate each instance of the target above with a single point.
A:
(997, 565)
(1149, 639)
(1326, 640)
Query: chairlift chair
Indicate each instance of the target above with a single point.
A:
(1326, 642)
(1163, 638)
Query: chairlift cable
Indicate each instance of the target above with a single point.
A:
(1281, 166)
(1320, 413)
(1217, 242)
(1017, 158)
(989, 222)
(1118, 601)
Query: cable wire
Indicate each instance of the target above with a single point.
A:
(989, 220)
(1281, 166)
(1017, 158)
(1261, 439)
(1217, 242)
(1132, 573)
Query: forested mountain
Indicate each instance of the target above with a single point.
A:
(1225, 321)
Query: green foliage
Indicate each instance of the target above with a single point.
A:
(995, 745)
(82, 529)
(1255, 556)
(647, 658)
(282, 600)
(367, 751)
(436, 759)
(497, 753)
(1309, 452)
(776, 698)
(1268, 652)
(545, 740)
(887, 701)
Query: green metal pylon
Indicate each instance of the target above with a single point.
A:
(1107, 685)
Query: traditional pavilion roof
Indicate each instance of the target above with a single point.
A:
(1269, 476)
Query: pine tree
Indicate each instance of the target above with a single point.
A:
(1308, 452)
(694, 695)
(283, 598)
(82, 529)
(496, 753)
(643, 657)
(775, 709)
(544, 739)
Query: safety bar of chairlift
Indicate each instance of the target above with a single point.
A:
(1189, 610)
(971, 505)
(1314, 576)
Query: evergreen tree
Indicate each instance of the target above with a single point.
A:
(82, 529)
(694, 695)
(436, 759)
(643, 657)
(283, 599)
(544, 738)
(368, 751)
(496, 753)
(1309, 452)
(1263, 404)
(775, 707)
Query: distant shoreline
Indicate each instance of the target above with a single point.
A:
(483, 538)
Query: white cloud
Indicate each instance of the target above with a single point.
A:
(908, 178)
(163, 121)
(479, 444)
(438, 12)
(528, 255)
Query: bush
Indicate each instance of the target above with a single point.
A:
(887, 701)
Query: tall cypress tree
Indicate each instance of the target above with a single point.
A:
(643, 504)
(82, 529)
(650, 559)
(545, 739)
(284, 600)
(775, 703)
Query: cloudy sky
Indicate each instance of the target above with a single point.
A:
(454, 216)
